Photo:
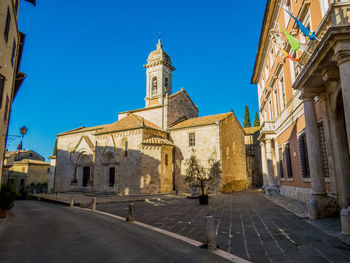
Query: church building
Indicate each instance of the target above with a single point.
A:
(145, 150)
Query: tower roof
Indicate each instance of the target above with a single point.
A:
(159, 56)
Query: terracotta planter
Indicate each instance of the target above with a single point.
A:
(2, 213)
(203, 199)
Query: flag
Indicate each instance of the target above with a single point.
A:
(303, 28)
(32, 2)
(292, 41)
(287, 54)
(19, 147)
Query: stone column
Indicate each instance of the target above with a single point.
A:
(342, 57)
(319, 205)
(270, 169)
(323, 99)
(263, 164)
(313, 147)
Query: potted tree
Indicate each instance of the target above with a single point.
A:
(8, 195)
(197, 174)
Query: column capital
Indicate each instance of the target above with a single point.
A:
(341, 52)
(262, 143)
(330, 74)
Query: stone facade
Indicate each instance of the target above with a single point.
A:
(305, 138)
(11, 46)
(145, 150)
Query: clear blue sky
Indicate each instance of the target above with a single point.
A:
(83, 60)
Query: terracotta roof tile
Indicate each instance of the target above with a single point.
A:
(157, 140)
(131, 121)
(251, 130)
(206, 120)
(83, 129)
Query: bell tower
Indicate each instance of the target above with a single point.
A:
(158, 76)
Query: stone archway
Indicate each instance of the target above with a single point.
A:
(83, 169)
(109, 161)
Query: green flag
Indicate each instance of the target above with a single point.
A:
(292, 41)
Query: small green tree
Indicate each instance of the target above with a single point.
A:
(246, 118)
(257, 120)
(197, 174)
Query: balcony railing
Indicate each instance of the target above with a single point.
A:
(338, 14)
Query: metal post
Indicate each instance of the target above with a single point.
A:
(130, 217)
(211, 232)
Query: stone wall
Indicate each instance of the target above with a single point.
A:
(233, 158)
(207, 145)
(298, 193)
(180, 105)
(153, 114)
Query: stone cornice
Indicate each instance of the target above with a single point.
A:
(264, 36)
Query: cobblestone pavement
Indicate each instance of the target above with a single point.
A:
(330, 225)
(248, 225)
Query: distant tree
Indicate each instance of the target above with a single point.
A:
(257, 120)
(246, 118)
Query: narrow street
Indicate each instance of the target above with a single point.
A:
(42, 232)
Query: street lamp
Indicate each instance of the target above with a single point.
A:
(23, 130)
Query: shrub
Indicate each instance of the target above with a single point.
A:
(8, 194)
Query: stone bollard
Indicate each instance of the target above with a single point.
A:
(211, 233)
(130, 217)
(93, 207)
(71, 202)
(57, 196)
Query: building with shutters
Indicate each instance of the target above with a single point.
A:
(145, 150)
(11, 46)
(305, 133)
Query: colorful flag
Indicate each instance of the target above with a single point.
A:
(292, 41)
(287, 54)
(19, 147)
(303, 28)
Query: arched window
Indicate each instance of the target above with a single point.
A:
(166, 83)
(126, 148)
(166, 159)
(154, 86)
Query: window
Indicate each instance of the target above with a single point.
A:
(288, 160)
(275, 100)
(13, 58)
(280, 161)
(166, 83)
(286, 15)
(270, 110)
(48, 170)
(282, 91)
(22, 182)
(304, 159)
(11, 181)
(6, 108)
(166, 159)
(323, 150)
(126, 149)
(192, 139)
(7, 26)
(271, 57)
(267, 72)
(154, 86)
(2, 89)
